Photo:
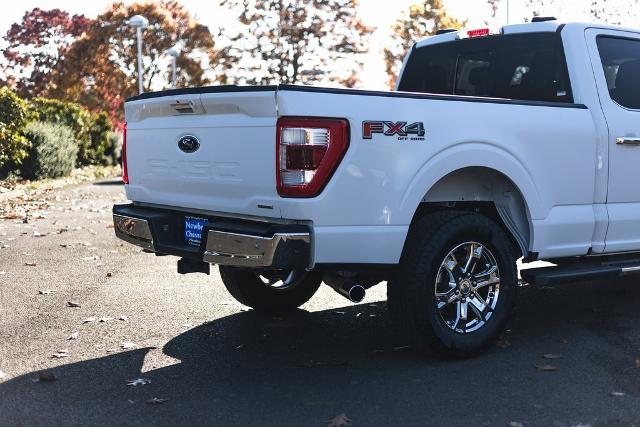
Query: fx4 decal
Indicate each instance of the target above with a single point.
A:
(404, 132)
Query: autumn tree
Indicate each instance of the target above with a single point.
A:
(100, 70)
(36, 45)
(298, 41)
(624, 12)
(421, 20)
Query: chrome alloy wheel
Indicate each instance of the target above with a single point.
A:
(467, 287)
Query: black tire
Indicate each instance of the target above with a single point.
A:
(411, 293)
(249, 289)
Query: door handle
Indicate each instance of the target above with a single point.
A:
(628, 141)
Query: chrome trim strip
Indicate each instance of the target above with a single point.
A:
(629, 270)
(628, 141)
(245, 250)
(133, 230)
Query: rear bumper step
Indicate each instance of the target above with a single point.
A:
(576, 273)
(240, 243)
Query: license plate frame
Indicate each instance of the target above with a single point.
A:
(193, 227)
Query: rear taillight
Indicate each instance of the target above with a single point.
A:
(125, 172)
(308, 152)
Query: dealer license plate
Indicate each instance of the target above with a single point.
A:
(193, 230)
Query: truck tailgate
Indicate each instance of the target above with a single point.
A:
(232, 170)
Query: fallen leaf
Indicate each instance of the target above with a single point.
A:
(73, 304)
(46, 292)
(552, 356)
(127, 345)
(61, 354)
(30, 264)
(339, 421)
(89, 320)
(45, 377)
(546, 367)
(155, 401)
(138, 381)
(74, 336)
(617, 394)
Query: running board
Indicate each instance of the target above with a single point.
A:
(576, 273)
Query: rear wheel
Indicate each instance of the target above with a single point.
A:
(271, 291)
(456, 285)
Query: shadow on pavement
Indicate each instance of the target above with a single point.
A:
(107, 182)
(250, 369)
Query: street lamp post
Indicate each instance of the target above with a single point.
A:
(508, 11)
(174, 52)
(139, 23)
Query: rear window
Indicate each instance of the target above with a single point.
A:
(527, 67)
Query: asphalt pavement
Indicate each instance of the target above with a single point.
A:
(571, 356)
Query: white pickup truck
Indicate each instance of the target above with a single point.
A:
(523, 144)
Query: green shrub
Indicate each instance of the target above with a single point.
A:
(99, 134)
(53, 151)
(114, 150)
(14, 116)
(90, 130)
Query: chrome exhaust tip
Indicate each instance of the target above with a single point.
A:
(349, 289)
(355, 293)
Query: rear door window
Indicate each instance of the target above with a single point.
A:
(621, 63)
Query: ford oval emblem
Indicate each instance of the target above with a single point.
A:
(189, 144)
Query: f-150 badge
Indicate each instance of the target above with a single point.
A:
(404, 132)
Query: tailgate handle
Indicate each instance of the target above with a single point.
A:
(184, 107)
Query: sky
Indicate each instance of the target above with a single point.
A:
(377, 13)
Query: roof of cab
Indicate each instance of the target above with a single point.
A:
(529, 27)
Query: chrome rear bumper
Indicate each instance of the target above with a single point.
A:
(133, 230)
(252, 251)
(225, 241)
